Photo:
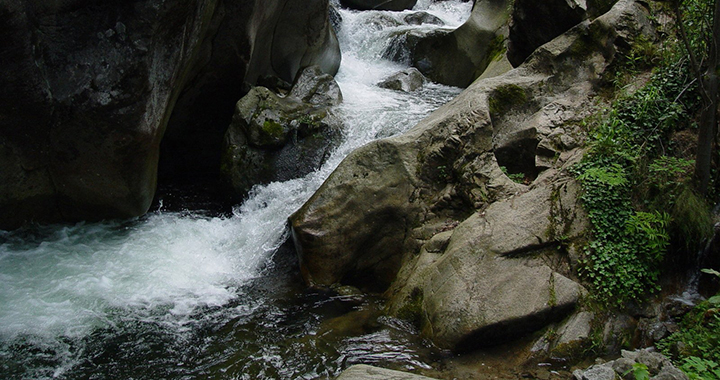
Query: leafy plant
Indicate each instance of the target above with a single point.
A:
(640, 372)
(700, 369)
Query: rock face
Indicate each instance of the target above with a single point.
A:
(90, 87)
(458, 57)
(379, 5)
(537, 22)
(273, 138)
(658, 367)
(469, 254)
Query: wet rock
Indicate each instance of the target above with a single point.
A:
(366, 372)
(379, 5)
(407, 80)
(658, 366)
(94, 88)
(595, 373)
(618, 333)
(573, 335)
(535, 23)
(315, 87)
(420, 18)
(275, 138)
(458, 57)
(368, 223)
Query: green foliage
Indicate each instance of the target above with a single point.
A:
(629, 180)
(694, 218)
(640, 371)
(696, 346)
(515, 177)
(700, 369)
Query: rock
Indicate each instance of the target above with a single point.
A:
(535, 23)
(245, 42)
(86, 94)
(277, 139)
(595, 373)
(670, 373)
(655, 361)
(379, 5)
(370, 222)
(304, 37)
(573, 335)
(618, 332)
(315, 87)
(658, 367)
(420, 18)
(407, 80)
(477, 294)
(458, 57)
(366, 372)
(94, 88)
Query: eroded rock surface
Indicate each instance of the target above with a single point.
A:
(274, 138)
(90, 87)
(457, 57)
(366, 372)
(473, 256)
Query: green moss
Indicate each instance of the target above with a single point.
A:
(412, 310)
(496, 48)
(506, 97)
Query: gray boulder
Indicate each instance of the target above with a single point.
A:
(458, 57)
(373, 219)
(379, 5)
(407, 80)
(273, 138)
(420, 18)
(658, 366)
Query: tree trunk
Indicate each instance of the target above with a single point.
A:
(709, 94)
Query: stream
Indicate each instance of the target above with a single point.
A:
(193, 294)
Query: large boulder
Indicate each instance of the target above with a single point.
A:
(457, 57)
(273, 138)
(384, 216)
(249, 39)
(86, 90)
(89, 87)
(379, 5)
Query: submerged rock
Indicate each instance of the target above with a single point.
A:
(273, 138)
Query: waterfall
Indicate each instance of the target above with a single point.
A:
(182, 294)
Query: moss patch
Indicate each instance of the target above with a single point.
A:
(505, 98)
(412, 310)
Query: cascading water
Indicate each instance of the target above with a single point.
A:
(186, 295)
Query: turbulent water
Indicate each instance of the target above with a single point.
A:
(192, 295)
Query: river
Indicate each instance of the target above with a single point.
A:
(193, 294)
